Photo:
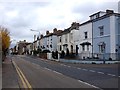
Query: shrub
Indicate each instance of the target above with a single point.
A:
(110, 59)
(46, 51)
(35, 52)
(93, 63)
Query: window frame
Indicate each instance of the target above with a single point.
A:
(86, 35)
(101, 30)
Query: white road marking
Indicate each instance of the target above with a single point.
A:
(85, 69)
(64, 65)
(57, 72)
(91, 70)
(78, 68)
(61, 64)
(47, 69)
(100, 72)
(68, 66)
(89, 84)
(111, 75)
(53, 71)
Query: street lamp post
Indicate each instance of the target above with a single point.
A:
(36, 31)
(104, 52)
(38, 37)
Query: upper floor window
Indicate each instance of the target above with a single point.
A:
(60, 39)
(65, 38)
(60, 48)
(101, 28)
(83, 48)
(102, 47)
(71, 36)
(87, 47)
(86, 35)
(97, 15)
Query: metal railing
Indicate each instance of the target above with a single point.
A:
(99, 56)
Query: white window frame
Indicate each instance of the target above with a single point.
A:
(101, 30)
(86, 35)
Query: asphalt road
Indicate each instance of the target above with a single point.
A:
(49, 74)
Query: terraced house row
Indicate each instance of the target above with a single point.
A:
(97, 38)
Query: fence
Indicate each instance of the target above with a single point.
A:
(99, 56)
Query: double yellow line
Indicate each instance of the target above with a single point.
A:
(25, 82)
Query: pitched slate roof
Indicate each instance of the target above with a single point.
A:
(74, 25)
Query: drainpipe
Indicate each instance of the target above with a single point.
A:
(92, 39)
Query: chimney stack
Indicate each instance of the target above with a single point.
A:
(24, 40)
(54, 30)
(47, 32)
(41, 36)
(75, 25)
(109, 11)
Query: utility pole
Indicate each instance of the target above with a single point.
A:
(35, 37)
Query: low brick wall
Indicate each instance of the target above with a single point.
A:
(43, 55)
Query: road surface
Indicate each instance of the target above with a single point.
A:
(42, 73)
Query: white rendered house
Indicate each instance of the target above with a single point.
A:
(106, 36)
(85, 40)
(68, 39)
(49, 41)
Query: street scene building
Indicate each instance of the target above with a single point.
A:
(85, 40)
(68, 39)
(97, 38)
(73, 44)
(22, 47)
(106, 35)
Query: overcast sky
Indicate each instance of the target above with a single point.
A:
(21, 16)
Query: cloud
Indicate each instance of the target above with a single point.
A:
(88, 8)
(21, 16)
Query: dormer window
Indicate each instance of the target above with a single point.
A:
(97, 15)
(71, 35)
(92, 18)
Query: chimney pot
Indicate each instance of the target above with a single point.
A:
(54, 30)
(41, 36)
(109, 11)
(47, 32)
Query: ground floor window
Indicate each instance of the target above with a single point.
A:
(87, 47)
(60, 48)
(102, 47)
(83, 48)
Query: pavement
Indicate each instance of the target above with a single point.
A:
(9, 75)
